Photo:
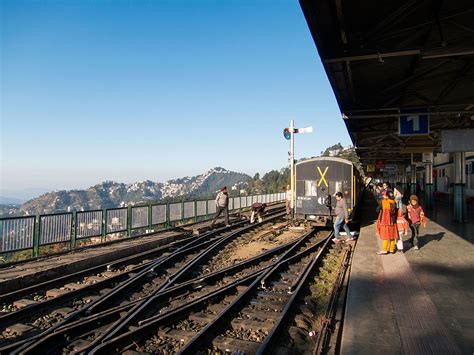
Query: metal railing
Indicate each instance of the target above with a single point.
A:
(33, 232)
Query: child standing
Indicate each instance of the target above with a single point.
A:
(416, 217)
(402, 226)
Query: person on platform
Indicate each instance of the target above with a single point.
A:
(257, 211)
(387, 224)
(289, 195)
(398, 193)
(342, 218)
(416, 217)
(384, 190)
(402, 227)
(222, 206)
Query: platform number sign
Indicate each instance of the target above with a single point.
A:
(415, 122)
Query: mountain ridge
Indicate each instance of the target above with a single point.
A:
(109, 194)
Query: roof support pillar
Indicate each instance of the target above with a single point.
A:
(428, 204)
(413, 180)
(459, 187)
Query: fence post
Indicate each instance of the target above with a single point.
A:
(35, 232)
(104, 225)
(195, 210)
(168, 222)
(36, 239)
(149, 218)
(240, 204)
(74, 230)
(207, 208)
(182, 210)
(129, 221)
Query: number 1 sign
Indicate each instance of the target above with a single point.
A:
(415, 122)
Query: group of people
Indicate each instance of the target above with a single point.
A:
(222, 207)
(394, 220)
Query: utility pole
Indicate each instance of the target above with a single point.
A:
(289, 133)
(292, 169)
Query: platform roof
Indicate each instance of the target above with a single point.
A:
(383, 57)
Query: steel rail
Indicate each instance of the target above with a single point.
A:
(276, 329)
(147, 268)
(144, 330)
(148, 325)
(14, 295)
(193, 345)
(329, 314)
(77, 328)
(26, 343)
(135, 311)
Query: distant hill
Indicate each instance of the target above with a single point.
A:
(4, 200)
(110, 194)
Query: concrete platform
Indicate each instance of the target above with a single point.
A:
(417, 302)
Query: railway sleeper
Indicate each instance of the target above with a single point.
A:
(262, 324)
(257, 314)
(55, 292)
(24, 303)
(74, 286)
(264, 304)
(20, 330)
(182, 336)
(296, 268)
(231, 344)
(279, 286)
(269, 295)
(201, 317)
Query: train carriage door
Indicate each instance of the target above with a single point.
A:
(324, 189)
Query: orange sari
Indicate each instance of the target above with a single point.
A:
(386, 224)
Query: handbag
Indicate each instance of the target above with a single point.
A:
(400, 243)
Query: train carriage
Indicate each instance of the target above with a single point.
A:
(317, 181)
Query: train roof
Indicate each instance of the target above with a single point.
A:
(340, 160)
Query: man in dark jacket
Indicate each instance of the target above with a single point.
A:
(257, 211)
(342, 218)
(222, 205)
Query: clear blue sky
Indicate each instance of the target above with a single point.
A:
(95, 90)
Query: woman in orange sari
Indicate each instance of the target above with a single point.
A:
(387, 224)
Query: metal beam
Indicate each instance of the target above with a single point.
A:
(433, 54)
(392, 115)
(394, 17)
(459, 74)
(401, 32)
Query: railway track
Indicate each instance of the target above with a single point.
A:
(189, 327)
(131, 284)
(82, 336)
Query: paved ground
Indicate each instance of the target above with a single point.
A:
(418, 302)
(444, 265)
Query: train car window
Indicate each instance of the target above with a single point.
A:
(337, 187)
(310, 188)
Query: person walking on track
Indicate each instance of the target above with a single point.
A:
(257, 211)
(387, 224)
(222, 206)
(342, 218)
